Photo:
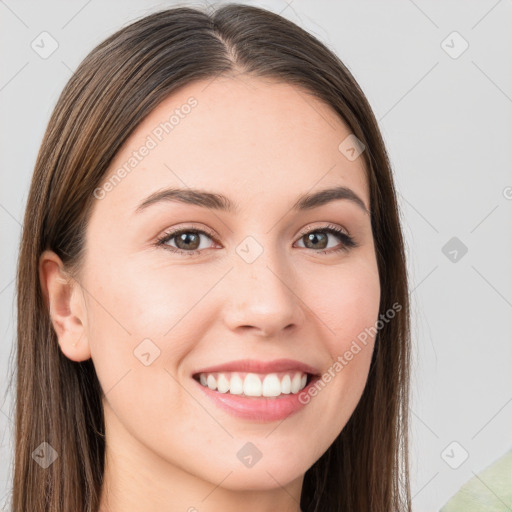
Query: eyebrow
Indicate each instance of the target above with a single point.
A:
(220, 202)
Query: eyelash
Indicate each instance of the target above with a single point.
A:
(347, 242)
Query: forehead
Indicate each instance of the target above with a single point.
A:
(255, 137)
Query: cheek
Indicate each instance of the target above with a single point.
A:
(140, 330)
(347, 303)
(348, 308)
(155, 312)
(135, 301)
(141, 319)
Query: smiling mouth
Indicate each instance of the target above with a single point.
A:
(256, 385)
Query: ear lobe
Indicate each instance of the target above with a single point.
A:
(66, 306)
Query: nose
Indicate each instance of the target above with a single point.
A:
(261, 298)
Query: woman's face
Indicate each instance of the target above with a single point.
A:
(261, 281)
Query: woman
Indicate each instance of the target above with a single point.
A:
(212, 290)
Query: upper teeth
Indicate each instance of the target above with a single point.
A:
(253, 384)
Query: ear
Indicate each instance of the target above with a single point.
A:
(65, 301)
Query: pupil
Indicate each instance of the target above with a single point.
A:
(185, 238)
(314, 238)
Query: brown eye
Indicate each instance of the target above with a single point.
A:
(186, 241)
(318, 239)
(313, 241)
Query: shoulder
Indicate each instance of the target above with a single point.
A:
(488, 491)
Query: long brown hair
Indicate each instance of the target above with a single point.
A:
(58, 401)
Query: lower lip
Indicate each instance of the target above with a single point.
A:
(262, 409)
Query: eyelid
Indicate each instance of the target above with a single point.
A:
(188, 227)
(310, 228)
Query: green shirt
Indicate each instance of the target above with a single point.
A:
(489, 491)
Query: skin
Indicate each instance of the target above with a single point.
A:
(262, 144)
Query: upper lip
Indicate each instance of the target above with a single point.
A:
(252, 365)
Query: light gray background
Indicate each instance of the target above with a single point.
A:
(447, 124)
